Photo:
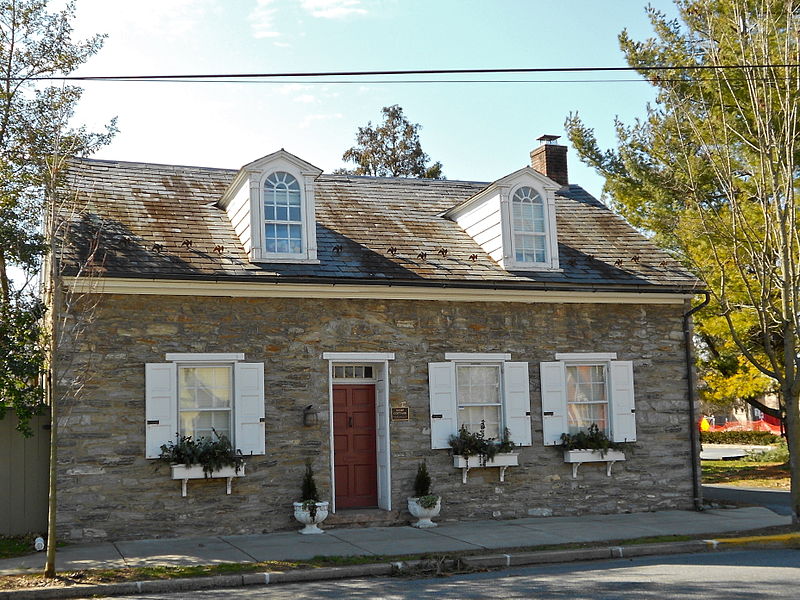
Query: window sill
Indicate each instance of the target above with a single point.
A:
(185, 473)
(578, 457)
(501, 461)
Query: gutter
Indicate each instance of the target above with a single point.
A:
(692, 396)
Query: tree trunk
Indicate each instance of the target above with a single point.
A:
(793, 440)
(52, 504)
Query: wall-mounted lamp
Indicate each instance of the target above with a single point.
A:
(309, 416)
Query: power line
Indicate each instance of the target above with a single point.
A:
(313, 74)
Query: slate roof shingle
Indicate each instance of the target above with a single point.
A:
(162, 221)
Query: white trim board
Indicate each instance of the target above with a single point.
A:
(204, 356)
(478, 356)
(358, 356)
(586, 356)
(264, 289)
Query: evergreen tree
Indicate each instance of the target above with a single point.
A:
(712, 174)
(391, 149)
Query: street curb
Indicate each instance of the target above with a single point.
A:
(783, 539)
(485, 561)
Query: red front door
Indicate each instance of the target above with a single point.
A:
(354, 452)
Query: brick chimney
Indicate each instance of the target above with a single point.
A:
(551, 159)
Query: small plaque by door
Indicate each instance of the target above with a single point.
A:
(400, 413)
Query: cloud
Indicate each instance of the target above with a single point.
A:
(309, 119)
(291, 88)
(264, 17)
(151, 17)
(333, 9)
(262, 20)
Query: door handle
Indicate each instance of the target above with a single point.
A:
(349, 421)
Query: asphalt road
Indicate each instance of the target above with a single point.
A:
(777, 501)
(736, 575)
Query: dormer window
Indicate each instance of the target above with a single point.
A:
(529, 226)
(270, 204)
(283, 219)
(514, 221)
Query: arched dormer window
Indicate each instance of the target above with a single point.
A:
(283, 214)
(529, 227)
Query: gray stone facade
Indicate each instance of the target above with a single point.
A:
(108, 490)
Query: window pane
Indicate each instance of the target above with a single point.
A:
(478, 384)
(205, 387)
(581, 416)
(471, 417)
(203, 424)
(530, 248)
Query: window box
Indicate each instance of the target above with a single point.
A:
(578, 457)
(185, 473)
(501, 461)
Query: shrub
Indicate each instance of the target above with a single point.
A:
(591, 439)
(422, 483)
(756, 438)
(212, 455)
(467, 443)
(779, 453)
(309, 489)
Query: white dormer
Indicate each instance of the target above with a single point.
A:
(271, 206)
(514, 221)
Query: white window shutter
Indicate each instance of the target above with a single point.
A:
(623, 420)
(554, 402)
(161, 406)
(517, 402)
(444, 418)
(249, 408)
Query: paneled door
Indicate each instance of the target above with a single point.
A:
(354, 446)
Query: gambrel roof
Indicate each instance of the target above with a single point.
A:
(165, 222)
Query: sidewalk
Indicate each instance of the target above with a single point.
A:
(473, 536)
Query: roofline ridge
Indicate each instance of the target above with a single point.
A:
(410, 179)
(151, 164)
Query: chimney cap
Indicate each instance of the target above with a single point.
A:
(548, 139)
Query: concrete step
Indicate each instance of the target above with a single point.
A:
(365, 517)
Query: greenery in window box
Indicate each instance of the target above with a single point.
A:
(211, 454)
(422, 487)
(309, 493)
(591, 439)
(467, 443)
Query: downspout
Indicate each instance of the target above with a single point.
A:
(692, 396)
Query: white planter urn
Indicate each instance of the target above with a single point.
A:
(303, 514)
(424, 515)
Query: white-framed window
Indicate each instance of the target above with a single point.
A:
(479, 398)
(581, 389)
(205, 400)
(529, 226)
(197, 394)
(353, 372)
(283, 214)
(471, 388)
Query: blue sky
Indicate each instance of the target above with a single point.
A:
(479, 131)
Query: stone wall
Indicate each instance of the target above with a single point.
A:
(108, 490)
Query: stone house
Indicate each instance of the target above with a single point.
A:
(357, 323)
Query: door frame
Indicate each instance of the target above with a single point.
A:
(380, 362)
